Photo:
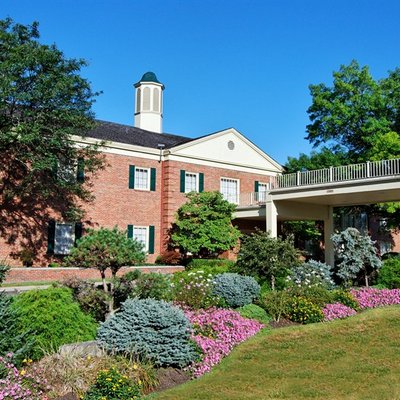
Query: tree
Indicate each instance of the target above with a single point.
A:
(43, 102)
(203, 225)
(356, 255)
(357, 116)
(104, 249)
(265, 257)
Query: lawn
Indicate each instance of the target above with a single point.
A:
(356, 358)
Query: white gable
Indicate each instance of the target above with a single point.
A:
(227, 147)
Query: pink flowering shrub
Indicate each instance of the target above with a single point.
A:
(371, 298)
(19, 384)
(216, 332)
(337, 310)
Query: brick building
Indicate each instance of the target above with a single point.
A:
(149, 173)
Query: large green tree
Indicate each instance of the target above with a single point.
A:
(358, 115)
(43, 102)
(203, 225)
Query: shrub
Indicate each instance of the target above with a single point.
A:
(169, 257)
(253, 311)
(11, 341)
(93, 301)
(311, 273)
(217, 332)
(124, 286)
(275, 303)
(53, 318)
(371, 298)
(304, 311)
(389, 274)
(18, 384)
(337, 310)
(112, 385)
(4, 268)
(194, 289)
(153, 285)
(236, 290)
(318, 295)
(265, 257)
(346, 298)
(219, 264)
(149, 328)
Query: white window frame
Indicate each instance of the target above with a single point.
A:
(237, 188)
(196, 174)
(146, 243)
(137, 169)
(262, 194)
(67, 173)
(63, 251)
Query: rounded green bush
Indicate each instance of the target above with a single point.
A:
(344, 297)
(52, 318)
(389, 274)
(253, 311)
(237, 290)
(149, 328)
(304, 311)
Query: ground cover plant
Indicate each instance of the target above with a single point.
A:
(371, 297)
(335, 361)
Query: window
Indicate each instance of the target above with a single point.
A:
(70, 171)
(143, 234)
(62, 236)
(230, 190)
(263, 188)
(142, 178)
(191, 181)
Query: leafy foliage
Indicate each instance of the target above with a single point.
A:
(111, 384)
(153, 285)
(4, 268)
(216, 264)
(124, 286)
(253, 311)
(12, 341)
(356, 254)
(236, 290)
(318, 295)
(150, 328)
(53, 319)
(43, 101)
(203, 225)
(346, 298)
(104, 249)
(169, 257)
(389, 274)
(312, 273)
(265, 257)
(304, 311)
(275, 303)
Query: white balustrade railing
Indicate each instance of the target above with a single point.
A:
(370, 169)
(343, 173)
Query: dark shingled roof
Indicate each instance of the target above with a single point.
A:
(111, 131)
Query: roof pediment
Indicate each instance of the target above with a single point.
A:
(227, 147)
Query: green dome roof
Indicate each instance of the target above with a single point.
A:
(149, 77)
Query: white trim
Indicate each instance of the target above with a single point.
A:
(197, 180)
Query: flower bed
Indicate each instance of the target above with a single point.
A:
(216, 332)
(371, 298)
(337, 310)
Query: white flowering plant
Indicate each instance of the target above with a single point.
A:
(310, 274)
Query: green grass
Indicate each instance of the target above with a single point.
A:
(356, 358)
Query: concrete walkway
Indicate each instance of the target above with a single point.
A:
(14, 290)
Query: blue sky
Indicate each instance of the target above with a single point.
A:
(224, 63)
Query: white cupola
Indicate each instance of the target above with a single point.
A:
(149, 103)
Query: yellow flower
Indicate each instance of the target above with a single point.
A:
(22, 372)
(88, 358)
(108, 379)
(135, 366)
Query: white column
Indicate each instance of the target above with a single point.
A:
(328, 231)
(271, 217)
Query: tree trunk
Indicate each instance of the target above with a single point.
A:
(103, 278)
(273, 282)
(366, 280)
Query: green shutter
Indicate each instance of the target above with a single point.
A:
(51, 235)
(80, 173)
(201, 182)
(153, 179)
(151, 239)
(131, 177)
(130, 231)
(256, 186)
(78, 231)
(183, 174)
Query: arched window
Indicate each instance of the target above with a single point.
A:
(138, 96)
(146, 99)
(156, 99)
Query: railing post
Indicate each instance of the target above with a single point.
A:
(368, 169)
(298, 177)
(330, 174)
